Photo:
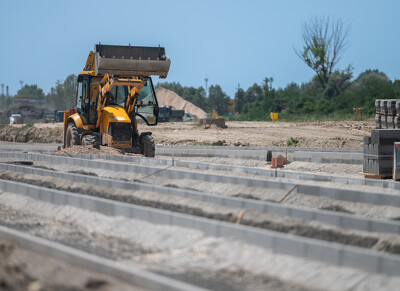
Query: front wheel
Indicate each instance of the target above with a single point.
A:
(147, 146)
(72, 136)
(90, 140)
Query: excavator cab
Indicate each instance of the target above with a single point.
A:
(115, 87)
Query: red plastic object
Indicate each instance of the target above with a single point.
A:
(277, 162)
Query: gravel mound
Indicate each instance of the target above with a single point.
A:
(90, 150)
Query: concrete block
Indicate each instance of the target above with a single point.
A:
(290, 247)
(300, 213)
(319, 252)
(355, 258)
(355, 223)
(391, 105)
(378, 121)
(390, 122)
(383, 106)
(387, 226)
(383, 136)
(329, 218)
(390, 266)
(397, 122)
(396, 161)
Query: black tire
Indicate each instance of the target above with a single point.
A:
(90, 140)
(147, 145)
(72, 136)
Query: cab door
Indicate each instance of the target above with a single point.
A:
(146, 105)
(83, 97)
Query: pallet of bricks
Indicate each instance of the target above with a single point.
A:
(378, 148)
(387, 113)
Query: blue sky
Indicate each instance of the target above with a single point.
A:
(230, 42)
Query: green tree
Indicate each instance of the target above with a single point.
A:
(239, 100)
(31, 91)
(369, 86)
(63, 95)
(199, 98)
(324, 42)
(218, 100)
(338, 83)
(254, 93)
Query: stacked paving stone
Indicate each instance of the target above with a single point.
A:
(378, 152)
(387, 113)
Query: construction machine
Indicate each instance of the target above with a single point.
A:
(115, 87)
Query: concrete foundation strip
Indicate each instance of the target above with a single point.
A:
(315, 190)
(353, 158)
(327, 252)
(212, 151)
(129, 274)
(256, 153)
(343, 220)
(255, 148)
(248, 170)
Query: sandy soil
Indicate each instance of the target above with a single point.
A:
(312, 229)
(21, 269)
(259, 193)
(215, 263)
(341, 134)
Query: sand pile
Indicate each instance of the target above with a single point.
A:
(169, 98)
(90, 150)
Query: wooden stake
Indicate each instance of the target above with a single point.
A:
(287, 194)
(240, 216)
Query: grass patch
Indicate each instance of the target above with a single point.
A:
(291, 142)
(203, 143)
(2, 125)
(24, 127)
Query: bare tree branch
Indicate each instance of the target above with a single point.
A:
(324, 42)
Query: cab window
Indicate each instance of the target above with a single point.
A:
(146, 103)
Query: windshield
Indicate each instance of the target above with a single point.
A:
(118, 95)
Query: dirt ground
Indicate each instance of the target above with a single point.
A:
(340, 134)
(21, 269)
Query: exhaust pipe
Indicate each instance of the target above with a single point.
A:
(131, 61)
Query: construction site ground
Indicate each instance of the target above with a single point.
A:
(188, 254)
(340, 134)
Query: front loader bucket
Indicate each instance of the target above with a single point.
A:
(131, 61)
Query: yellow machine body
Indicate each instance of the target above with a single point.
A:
(111, 115)
(115, 87)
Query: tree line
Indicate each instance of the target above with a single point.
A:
(61, 96)
(339, 96)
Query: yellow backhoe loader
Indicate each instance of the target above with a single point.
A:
(114, 87)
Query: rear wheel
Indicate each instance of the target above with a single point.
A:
(72, 136)
(90, 140)
(147, 145)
